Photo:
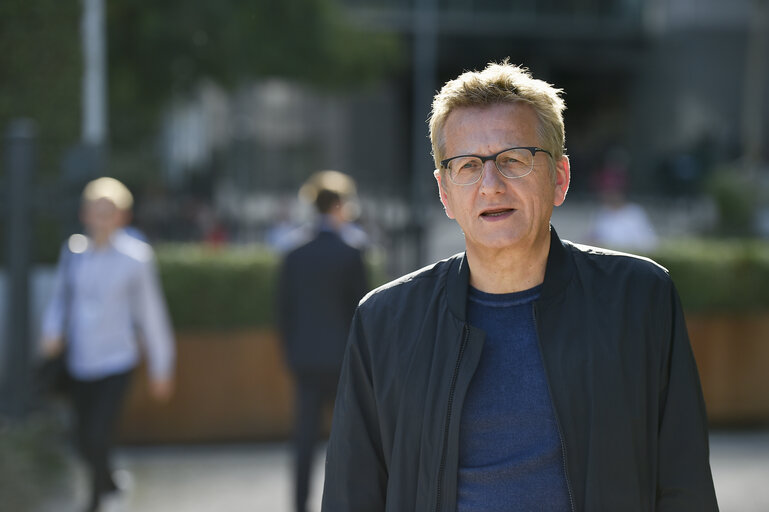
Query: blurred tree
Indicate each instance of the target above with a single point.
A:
(40, 70)
(161, 49)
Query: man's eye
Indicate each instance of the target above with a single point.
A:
(469, 165)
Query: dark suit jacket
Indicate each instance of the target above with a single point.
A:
(319, 288)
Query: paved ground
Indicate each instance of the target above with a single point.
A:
(740, 464)
(256, 477)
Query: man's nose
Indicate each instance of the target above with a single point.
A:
(491, 179)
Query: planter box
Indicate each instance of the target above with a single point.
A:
(732, 353)
(230, 386)
(234, 386)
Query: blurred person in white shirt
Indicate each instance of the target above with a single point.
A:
(620, 224)
(107, 300)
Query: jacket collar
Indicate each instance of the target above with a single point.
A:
(558, 271)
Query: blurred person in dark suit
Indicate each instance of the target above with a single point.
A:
(286, 234)
(320, 284)
(106, 290)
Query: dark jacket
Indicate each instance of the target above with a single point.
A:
(622, 379)
(319, 287)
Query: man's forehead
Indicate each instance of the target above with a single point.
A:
(508, 121)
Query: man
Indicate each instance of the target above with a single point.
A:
(107, 287)
(320, 285)
(528, 373)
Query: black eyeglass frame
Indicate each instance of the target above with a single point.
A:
(533, 149)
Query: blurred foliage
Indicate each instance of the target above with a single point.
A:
(159, 50)
(735, 193)
(229, 287)
(234, 287)
(46, 242)
(218, 288)
(40, 62)
(33, 464)
(719, 275)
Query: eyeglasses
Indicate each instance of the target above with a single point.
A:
(511, 163)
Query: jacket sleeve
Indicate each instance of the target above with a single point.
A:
(684, 478)
(356, 472)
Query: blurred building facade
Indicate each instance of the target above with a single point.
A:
(664, 78)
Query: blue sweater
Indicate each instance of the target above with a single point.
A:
(510, 455)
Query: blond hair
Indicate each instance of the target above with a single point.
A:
(338, 184)
(110, 189)
(501, 83)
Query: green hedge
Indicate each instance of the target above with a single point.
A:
(231, 287)
(218, 288)
(234, 287)
(719, 275)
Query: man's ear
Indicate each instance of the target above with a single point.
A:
(562, 180)
(443, 194)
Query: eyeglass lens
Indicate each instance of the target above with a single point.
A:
(514, 163)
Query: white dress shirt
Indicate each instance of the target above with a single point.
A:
(106, 301)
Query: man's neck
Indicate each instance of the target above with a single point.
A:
(508, 270)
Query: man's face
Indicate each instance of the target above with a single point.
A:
(497, 212)
(101, 218)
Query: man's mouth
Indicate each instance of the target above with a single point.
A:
(498, 212)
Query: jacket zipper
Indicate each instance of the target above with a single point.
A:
(557, 419)
(452, 388)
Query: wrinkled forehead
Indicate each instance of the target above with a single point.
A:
(512, 123)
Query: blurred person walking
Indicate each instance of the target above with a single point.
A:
(106, 300)
(620, 224)
(320, 284)
(529, 372)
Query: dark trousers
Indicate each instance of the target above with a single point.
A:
(97, 406)
(314, 390)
